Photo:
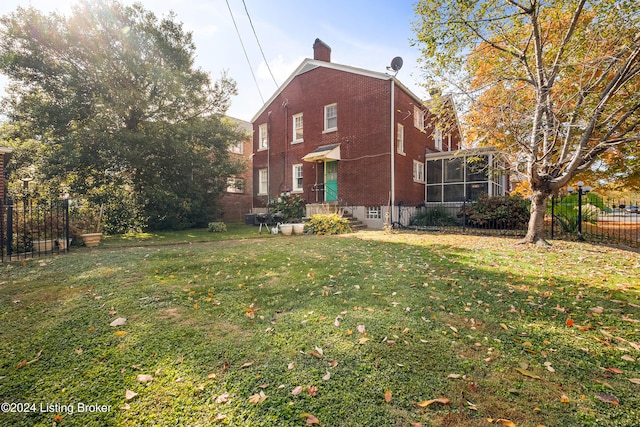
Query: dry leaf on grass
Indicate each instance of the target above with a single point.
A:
(635, 380)
(442, 400)
(310, 419)
(118, 322)
(387, 396)
(258, 398)
(144, 378)
(296, 391)
(128, 395)
(608, 398)
(528, 374)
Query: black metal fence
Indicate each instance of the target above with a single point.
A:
(596, 220)
(33, 228)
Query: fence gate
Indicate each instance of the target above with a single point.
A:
(33, 228)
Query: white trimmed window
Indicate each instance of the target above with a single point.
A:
(330, 117)
(297, 128)
(263, 141)
(297, 178)
(235, 185)
(418, 117)
(418, 171)
(263, 181)
(237, 148)
(437, 137)
(374, 212)
(400, 139)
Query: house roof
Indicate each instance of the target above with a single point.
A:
(311, 64)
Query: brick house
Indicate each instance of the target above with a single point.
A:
(4, 154)
(349, 137)
(236, 201)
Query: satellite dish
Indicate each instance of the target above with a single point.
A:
(396, 64)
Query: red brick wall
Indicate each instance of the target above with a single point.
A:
(364, 134)
(234, 206)
(363, 130)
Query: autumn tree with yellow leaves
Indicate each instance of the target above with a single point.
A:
(553, 83)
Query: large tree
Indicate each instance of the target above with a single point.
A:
(554, 81)
(111, 94)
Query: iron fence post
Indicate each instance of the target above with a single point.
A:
(9, 228)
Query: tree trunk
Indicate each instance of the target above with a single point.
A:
(535, 232)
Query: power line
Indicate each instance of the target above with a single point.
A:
(259, 45)
(245, 52)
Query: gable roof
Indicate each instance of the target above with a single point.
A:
(311, 64)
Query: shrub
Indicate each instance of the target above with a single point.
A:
(433, 216)
(217, 227)
(290, 205)
(497, 212)
(327, 224)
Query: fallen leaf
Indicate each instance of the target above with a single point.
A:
(291, 365)
(310, 419)
(564, 398)
(246, 365)
(442, 400)
(21, 364)
(315, 354)
(528, 374)
(118, 322)
(320, 351)
(128, 395)
(415, 424)
(258, 398)
(569, 323)
(454, 376)
(120, 333)
(219, 417)
(503, 326)
(211, 376)
(387, 396)
(327, 376)
(57, 418)
(504, 422)
(608, 398)
(223, 398)
(361, 329)
(628, 358)
(312, 390)
(78, 351)
(363, 340)
(296, 391)
(635, 380)
(144, 378)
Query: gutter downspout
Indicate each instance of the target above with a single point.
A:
(268, 159)
(393, 157)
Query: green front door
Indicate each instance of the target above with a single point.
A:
(331, 181)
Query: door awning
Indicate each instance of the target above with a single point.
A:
(324, 152)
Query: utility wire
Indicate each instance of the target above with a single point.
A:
(245, 52)
(259, 45)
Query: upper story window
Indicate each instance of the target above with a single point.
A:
(237, 148)
(418, 117)
(400, 139)
(437, 137)
(298, 128)
(330, 117)
(263, 141)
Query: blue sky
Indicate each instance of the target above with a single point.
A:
(365, 34)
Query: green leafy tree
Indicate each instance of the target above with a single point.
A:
(555, 83)
(112, 99)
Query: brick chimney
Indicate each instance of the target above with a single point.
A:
(321, 51)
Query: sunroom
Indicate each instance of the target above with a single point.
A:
(464, 175)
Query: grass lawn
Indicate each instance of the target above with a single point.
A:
(367, 329)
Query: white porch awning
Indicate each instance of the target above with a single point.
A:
(324, 152)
